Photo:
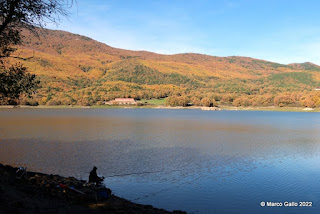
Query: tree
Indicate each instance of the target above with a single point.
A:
(15, 81)
(16, 15)
(195, 101)
(206, 102)
(285, 99)
(183, 101)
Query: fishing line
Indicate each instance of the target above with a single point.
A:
(166, 189)
(141, 173)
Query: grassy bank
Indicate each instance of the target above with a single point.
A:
(153, 101)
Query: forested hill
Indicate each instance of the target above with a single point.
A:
(75, 69)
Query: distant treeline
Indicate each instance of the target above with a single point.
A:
(191, 98)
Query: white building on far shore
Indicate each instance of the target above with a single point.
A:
(122, 101)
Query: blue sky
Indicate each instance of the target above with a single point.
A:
(283, 31)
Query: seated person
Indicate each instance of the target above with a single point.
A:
(94, 178)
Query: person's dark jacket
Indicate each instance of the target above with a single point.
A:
(93, 177)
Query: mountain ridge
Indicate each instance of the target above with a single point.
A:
(185, 53)
(77, 69)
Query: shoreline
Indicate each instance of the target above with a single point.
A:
(220, 108)
(36, 192)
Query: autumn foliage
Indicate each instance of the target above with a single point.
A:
(76, 70)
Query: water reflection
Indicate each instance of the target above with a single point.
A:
(176, 159)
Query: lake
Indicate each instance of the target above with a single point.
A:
(192, 160)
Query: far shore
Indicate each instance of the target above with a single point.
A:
(222, 107)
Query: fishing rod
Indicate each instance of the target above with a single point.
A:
(141, 173)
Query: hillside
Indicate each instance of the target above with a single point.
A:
(75, 69)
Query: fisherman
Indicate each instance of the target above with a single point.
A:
(94, 178)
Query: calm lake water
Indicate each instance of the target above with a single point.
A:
(192, 160)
